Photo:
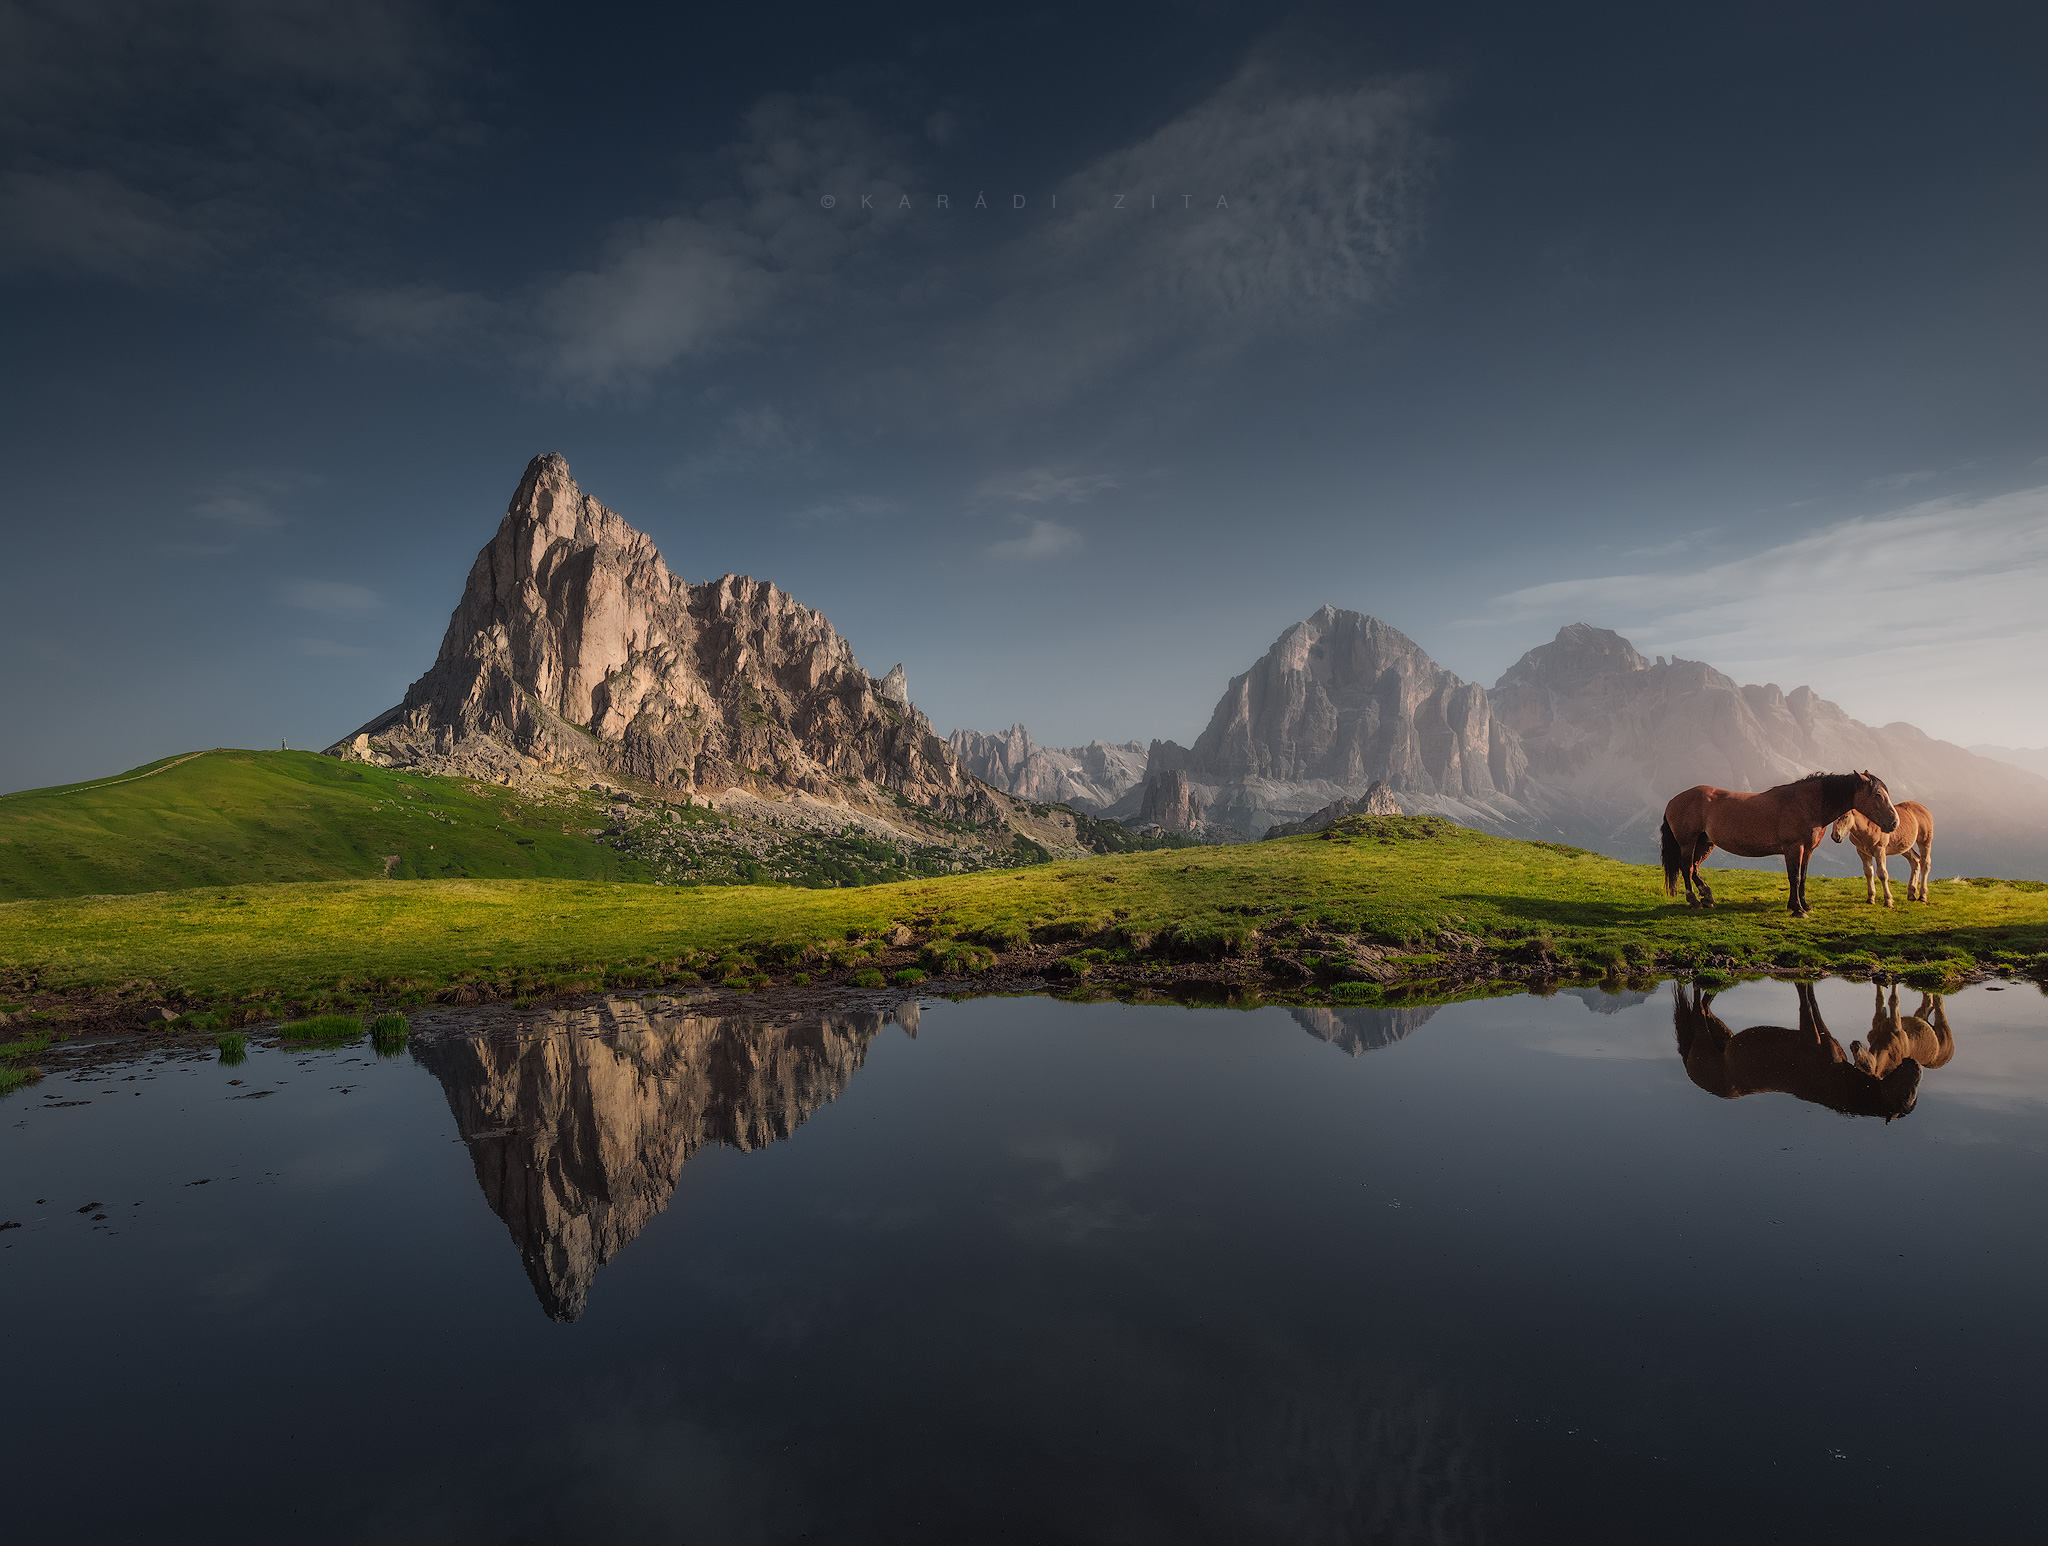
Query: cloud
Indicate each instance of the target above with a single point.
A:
(1674, 547)
(147, 139)
(245, 503)
(1043, 486)
(1287, 202)
(417, 319)
(82, 221)
(337, 598)
(1324, 179)
(690, 286)
(749, 439)
(1899, 480)
(1922, 614)
(1044, 539)
(847, 507)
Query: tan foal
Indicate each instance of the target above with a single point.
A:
(1913, 837)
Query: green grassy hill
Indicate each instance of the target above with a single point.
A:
(238, 817)
(1412, 897)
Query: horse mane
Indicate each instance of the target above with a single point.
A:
(1835, 788)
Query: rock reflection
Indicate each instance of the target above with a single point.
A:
(580, 1126)
(1807, 1061)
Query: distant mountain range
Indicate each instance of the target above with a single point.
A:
(575, 651)
(1581, 741)
(1090, 778)
(2033, 758)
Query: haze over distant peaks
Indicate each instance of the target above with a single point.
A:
(1582, 740)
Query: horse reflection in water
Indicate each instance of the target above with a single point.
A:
(1923, 1036)
(1805, 1061)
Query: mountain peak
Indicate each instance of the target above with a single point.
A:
(574, 647)
(1578, 654)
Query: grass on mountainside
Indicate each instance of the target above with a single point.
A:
(235, 817)
(1415, 886)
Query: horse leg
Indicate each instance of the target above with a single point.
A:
(1700, 851)
(1792, 881)
(1869, 879)
(1926, 862)
(1883, 862)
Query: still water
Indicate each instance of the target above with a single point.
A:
(1018, 1269)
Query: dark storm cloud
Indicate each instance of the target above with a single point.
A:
(147, 139)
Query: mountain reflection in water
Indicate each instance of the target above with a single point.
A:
(580, 1126)
(1881, 1080)
(1361, 1030)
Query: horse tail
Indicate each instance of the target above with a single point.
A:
(1674, 861)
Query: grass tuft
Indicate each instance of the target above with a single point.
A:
(388, 1034)
(322, 1028)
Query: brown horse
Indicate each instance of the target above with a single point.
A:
(1789, 820)
(1914, 838)
(1923, 1036)
(1807, 1062)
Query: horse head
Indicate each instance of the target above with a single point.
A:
(1874, 801)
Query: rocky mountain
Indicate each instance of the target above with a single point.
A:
(578, 1137)
(1089, 778)
(1581, 741)
(1339, 701)
(1170, 803)
(1376, 801)
(1610, 735)
(575, 648)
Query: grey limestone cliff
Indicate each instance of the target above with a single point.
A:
(1089, 778)
(1341, 701)
(575, 648)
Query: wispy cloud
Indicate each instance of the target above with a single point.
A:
(154, 138)
(418, 319)
(689, 286)
(1043, 486)
(847, 507)
(1921, 614)
(1675, 546)
(1042, 539)
(336, 598)
(1288, 201)
(248, 502)
(330, 649)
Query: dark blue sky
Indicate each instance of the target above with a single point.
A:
(1723, 326)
